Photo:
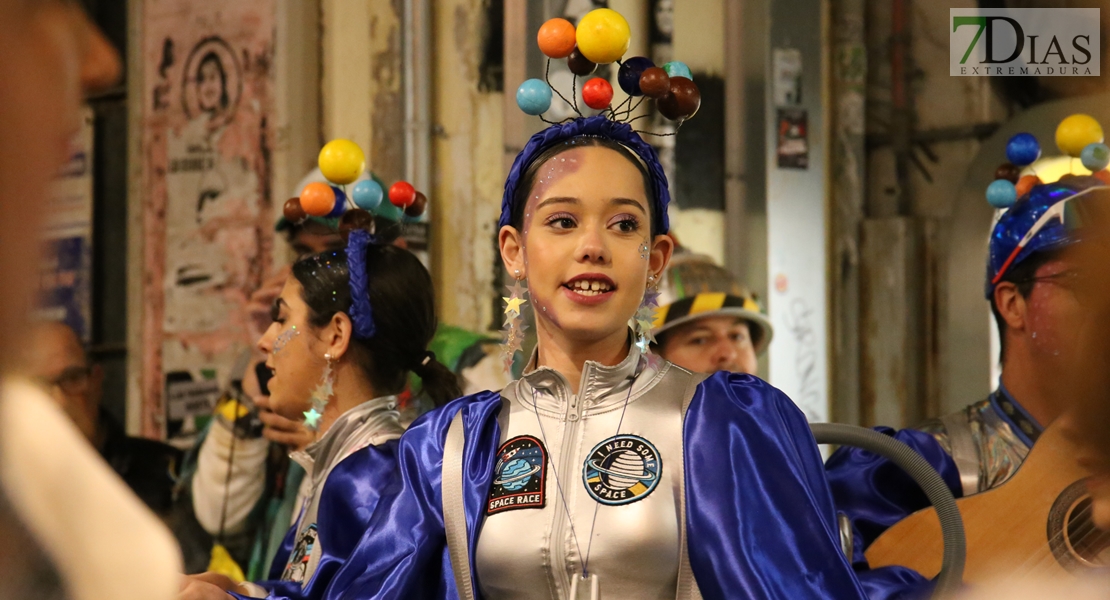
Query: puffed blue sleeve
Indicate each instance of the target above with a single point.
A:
(760, 518)
(875, 493)
(350, 494)
(403, 553)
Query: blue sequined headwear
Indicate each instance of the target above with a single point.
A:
(362, 315)
(1019, 219)
(596, 126)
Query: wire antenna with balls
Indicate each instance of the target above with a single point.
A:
(602, 37)
(343, 163)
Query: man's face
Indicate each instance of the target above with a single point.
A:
(308, 241)
(1054, 317)
(58, 361)
(711, 344)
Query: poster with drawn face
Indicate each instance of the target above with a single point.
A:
(208, 213)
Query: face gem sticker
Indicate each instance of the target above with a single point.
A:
(622, 470)
(519, 477)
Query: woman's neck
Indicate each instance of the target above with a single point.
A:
(568, 356)
(351, 388)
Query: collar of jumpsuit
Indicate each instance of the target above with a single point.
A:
(603, 487)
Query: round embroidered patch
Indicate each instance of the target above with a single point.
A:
(622, 470)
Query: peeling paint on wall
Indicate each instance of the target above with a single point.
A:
(206, 173)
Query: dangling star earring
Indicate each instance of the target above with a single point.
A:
(512, 334)
(645, 317)
(320, 396)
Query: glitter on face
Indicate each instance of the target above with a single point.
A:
(284, 338)
(644, 250)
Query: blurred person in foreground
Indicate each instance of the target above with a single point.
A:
(58, 360)
(706, 322)
(64, 510)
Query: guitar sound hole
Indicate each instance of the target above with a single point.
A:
(1089, 545)
(1075, 541)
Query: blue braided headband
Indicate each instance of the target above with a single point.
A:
(595, 126)
(362, 316)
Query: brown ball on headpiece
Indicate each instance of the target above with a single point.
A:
(293, 211)
(580, 65)
(682, 102)
(655, 83)
(1009, 172)
(418, 206)
(353, 219)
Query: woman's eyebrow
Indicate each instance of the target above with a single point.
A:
(557, 200)
(628, 202)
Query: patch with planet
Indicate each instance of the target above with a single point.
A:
(622, 469)
(519, 477)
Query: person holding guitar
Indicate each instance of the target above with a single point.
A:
(1030, 284)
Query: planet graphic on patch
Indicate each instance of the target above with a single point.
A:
(519, 476)
(621, 470)
(515, 474)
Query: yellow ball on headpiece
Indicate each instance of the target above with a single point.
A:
(342, 161)
(603, 36)
(1076, 132)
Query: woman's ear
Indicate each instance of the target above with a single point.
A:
(337, 335)
(512, 250)
(662, 247)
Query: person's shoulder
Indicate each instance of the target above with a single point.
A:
(745, 391)
(433, 424)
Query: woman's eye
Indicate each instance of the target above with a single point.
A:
(628, 225)
(561, 222)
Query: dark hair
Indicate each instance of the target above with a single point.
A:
(1022, 276)
(212, 57)
(404, 316)
(529, 178)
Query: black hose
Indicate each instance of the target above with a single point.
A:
(951, 574)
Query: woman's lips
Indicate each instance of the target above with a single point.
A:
(587, 300)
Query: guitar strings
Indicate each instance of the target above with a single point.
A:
(1046, 558)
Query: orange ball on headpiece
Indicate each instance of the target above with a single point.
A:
(556, 38)
(318, 199)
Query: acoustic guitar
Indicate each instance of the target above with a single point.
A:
(1037, 523)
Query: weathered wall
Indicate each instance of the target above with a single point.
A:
(468, 176)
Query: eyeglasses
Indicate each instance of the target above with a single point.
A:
(1063, 211)
(72, 381)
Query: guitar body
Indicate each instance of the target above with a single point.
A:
(1037, 522)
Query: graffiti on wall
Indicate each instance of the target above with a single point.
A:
(207, 221)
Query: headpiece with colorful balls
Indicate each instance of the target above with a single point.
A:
(1078, 137)
(1041, 212)
(343, 163)
(602, 37)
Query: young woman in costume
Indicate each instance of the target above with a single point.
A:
(604, 471)
(347, 329)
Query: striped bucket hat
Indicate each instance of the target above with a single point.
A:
(693, 287)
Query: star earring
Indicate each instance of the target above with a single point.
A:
(512, 333)
(321, 395)
(645, 317)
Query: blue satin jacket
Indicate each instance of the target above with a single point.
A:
(351, 492)
(760, 517)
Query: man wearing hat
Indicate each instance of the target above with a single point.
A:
(1030, 284)
(705, 321)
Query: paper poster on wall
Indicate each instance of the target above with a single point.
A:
(65, 273)
(792, 148)
(208, 213)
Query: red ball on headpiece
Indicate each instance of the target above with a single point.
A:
(402, 194)
(597, 93)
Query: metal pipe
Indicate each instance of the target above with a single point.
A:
(416, 76)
